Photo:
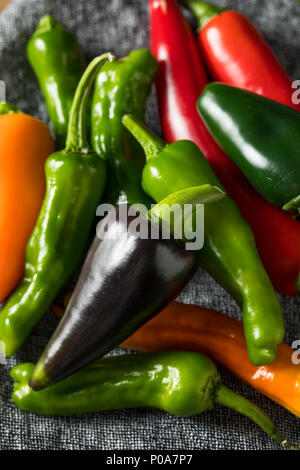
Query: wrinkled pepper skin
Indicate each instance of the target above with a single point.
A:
(222, 35)
(229, 254)
(126, 381)
(261, 136)
(75, 180)
(122, 87)
(58, 64)
(180, 383)
(180, 81)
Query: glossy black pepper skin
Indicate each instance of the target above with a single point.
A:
(124, 282)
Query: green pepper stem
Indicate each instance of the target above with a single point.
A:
(293, 207)
(186, 200)
(8, 108)
(76, 137)
(150, 142)
(202, 11)
(228, 398)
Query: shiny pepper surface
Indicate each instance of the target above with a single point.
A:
(261, 137)
(125, 280)
(178, 382)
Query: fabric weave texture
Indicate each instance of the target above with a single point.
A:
(120, 26)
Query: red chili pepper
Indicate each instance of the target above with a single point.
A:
(179, 83)
(235, 53)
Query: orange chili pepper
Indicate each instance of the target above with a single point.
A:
(193, 328)
(25, 143)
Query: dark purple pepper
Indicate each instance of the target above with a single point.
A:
(124, 282)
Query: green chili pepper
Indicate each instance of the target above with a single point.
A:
(9, 108)
(181, 383)
(229, 253)
(261, 136)
(58, 63)
(75, 183)
(122, 87)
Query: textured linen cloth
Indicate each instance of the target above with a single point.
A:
(121, 26)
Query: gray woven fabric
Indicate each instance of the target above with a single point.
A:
(121, 26)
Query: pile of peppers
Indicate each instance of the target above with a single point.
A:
(230, 147)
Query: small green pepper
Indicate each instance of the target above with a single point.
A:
(181, 383)
(122, 87)
(229, 253)
(75, 183)
(58, 63)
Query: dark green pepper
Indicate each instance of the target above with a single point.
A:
(229, 254)
(181, 383)
(75, 183)
(122, 87)
(58, 63)
(261, 136)
(126, 279)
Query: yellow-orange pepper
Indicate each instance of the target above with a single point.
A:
(25, 143)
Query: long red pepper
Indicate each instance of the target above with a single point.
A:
(235, 53)
(179, 83)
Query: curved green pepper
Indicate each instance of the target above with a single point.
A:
(261, 136)
(58, 63)
(75, 183)
(122, 87)
(181, 383)
(229, 254)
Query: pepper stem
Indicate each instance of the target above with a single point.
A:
(150, 142)
(228, 398)
(183, 205)
(8, 108)
(293, 207)
(202, 11)
(76, 137)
